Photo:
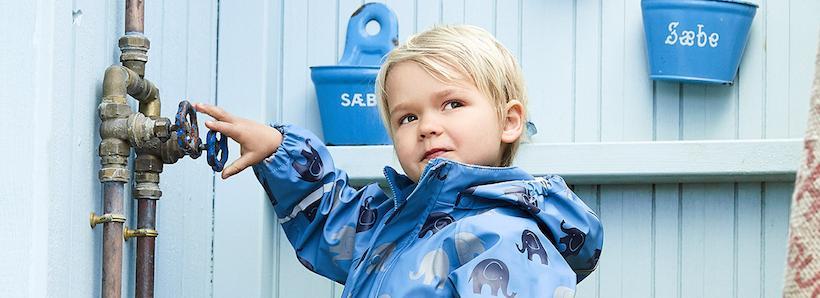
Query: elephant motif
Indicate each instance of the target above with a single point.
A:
(563, 292)
(435, 222)
(573, 241)
(344, 241)
(379, 256)
(367, 216)
(311, 171)
(468, 246)
(524, 198)
(435, 264)
(494, 273)
(532, 245)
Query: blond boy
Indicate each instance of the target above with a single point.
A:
(461, 222)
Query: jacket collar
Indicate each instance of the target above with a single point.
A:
(458, 176)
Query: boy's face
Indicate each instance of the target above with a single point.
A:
(431, 119)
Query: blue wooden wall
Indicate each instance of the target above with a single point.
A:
(586, 70)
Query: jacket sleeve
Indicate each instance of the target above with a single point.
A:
(572, 227)
(328, 222)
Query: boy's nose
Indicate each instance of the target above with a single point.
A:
(429, 127)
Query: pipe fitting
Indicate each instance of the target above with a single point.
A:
(134, 49)
(129, 233)
(114, 154)
(141, 129)
(95, 219)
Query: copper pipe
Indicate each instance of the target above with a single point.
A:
(146, 219)
(134, 16)
(112, 241)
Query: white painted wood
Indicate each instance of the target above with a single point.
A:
(623, 162)
(585, 67)
(587, 81)
(666, 241)
(244, 254)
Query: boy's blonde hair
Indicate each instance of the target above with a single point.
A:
(451, 52)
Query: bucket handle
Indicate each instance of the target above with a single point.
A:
(361, 48)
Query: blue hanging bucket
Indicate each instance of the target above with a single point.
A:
(346, 92)
(696, 41)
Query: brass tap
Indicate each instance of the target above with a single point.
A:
(129, 233)
(95, 219)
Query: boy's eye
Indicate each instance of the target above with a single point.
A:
(452, 105)
(407, 119)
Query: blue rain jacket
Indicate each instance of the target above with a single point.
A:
(462, 230)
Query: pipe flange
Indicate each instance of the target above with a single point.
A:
(108, 217)
(129, 233)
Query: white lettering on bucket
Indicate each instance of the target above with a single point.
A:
(689, 38)
(358, 100)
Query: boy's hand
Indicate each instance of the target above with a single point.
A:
(256, 141)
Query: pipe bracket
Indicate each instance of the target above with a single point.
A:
(129, 233)
(98, 219)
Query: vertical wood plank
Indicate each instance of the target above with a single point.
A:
(777, 69)
(748, 241)
(667, 241)
(775, 225)
(587, 120)
(547, 60)
(637, 106)
(508, 26)
(751, 81)
(612, 69)
(693, 217)
(804, 26)
(481, 13)
(242, 215)
(452, 11)
(428, 13)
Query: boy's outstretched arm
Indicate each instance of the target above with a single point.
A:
(328, 222)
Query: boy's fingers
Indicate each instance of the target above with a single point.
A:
(225, 128)
(237, 166)
(214, 111)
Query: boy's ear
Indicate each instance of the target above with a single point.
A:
(512, 126)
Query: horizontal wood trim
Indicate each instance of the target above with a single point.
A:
(622, 162)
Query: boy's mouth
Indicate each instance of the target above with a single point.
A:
(433, 153)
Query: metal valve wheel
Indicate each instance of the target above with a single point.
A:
(190, 143)
(217, 147)
(187, 130)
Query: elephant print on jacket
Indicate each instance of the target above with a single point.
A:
(435, 264)
(435, 222)
(532, 245)
(345, 241)
(573, 241)
(524, 198)
(367, 216)
(494, 273)
(468, 246)
(311, 171)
